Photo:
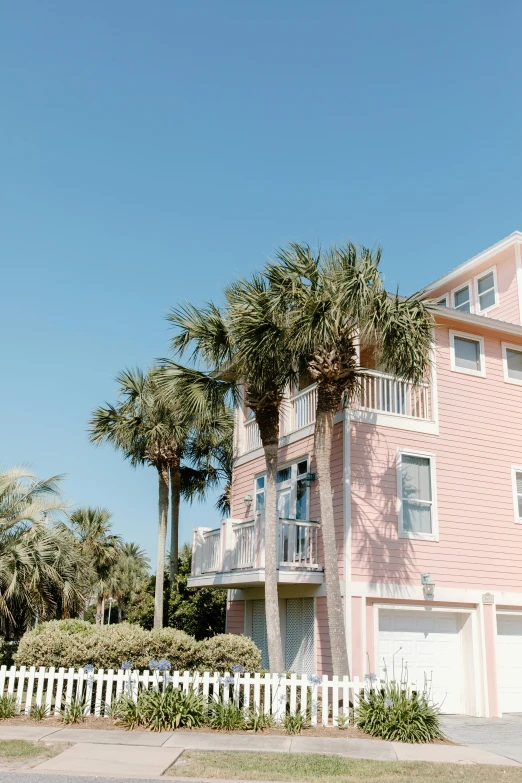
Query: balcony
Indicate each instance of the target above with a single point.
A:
(379, 393)
(232, 555)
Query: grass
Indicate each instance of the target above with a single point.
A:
(21, 749)
(321, 769)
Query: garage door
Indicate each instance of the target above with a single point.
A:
(428, 644)
(509, 661)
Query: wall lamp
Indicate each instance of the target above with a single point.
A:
(247, 500)
(429, 586)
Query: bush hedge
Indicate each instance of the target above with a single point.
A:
(75, 642)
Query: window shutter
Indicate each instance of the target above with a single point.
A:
(299, 642)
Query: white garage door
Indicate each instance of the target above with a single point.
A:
(428, 643)
(509, 661)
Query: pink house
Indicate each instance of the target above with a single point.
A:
(428, 501)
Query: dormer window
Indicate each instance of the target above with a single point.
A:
(486, 291)
(462, 298)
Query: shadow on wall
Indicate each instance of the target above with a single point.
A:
(378, 554)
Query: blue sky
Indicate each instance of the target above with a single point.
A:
(150, 152)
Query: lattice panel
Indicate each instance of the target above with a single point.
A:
(259, 630)
(299, 643)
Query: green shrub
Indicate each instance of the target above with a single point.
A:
(74, 712)
(395, 712)
(227, 716)
(7, 706)
(161, 710)
(39, 712)
(256, 720)
(223, 652)
(294, 724)
(75, 643)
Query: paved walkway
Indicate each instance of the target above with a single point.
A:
(502, 736)
(145, 755)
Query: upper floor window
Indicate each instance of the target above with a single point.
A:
(467, 353)
(486, 290)
(462, 298)
(292, 491)
(516, 475)
(443, 301)
(415, 491)
(260, 494)
(512, 358)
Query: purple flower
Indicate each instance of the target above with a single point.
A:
(388, 702)
(238, 669)
(371, 677)
(228, 680)
(314, 679)
(88, 668)
(126, 666)
(164, 665)
(153, 664)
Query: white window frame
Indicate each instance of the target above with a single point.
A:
(291, 483)
(469, 284)
(446, 298)
(486, 272)
(434, 535)
(505, 348)
(514, 470)
(467, 336)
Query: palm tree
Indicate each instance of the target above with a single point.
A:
(41, 571)
(150, 429)
(129, 572)
(336, 300)
(101, 548)
(244, 346)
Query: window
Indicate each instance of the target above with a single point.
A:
(516, 474)
(292, 491)
(415, 490)
(462, 298)
(467, 353)
(512, 356)
(443, 302)
(486, 290)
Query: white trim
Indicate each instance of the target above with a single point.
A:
(510, 347)
(485, 255)
(347, 530)
(485, 273)
(482, 321)
(440, 298)
(467, 284)
(514, 470)
(518, 264)
(467, 336)
(253, 576)
(434, 535)
(395, 422)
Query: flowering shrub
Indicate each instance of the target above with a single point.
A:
(394, 711)
(79, 644)
(223, 652)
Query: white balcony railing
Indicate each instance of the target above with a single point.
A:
(379, 393)
(298, 540)
(211, 555)
(239, 546)
(244, 545)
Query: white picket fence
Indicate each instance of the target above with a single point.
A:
(325, 699)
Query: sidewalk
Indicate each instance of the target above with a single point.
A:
(146, 755)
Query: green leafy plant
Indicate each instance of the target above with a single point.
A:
(39, 711)
(226, 715)
(256, 720)
(171, 709)
(294, 723)
(394, 711)
(126, 711)
(7, 706)
(343, 721)
(74, 712)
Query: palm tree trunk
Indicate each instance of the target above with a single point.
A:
(120, 613)
(175, 495)
(328, 401)
(163, 510)
(268, 423)
(99, 609)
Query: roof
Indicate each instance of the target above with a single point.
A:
(512, 239)
(484, 321)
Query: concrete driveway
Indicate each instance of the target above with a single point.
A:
(496, 735)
